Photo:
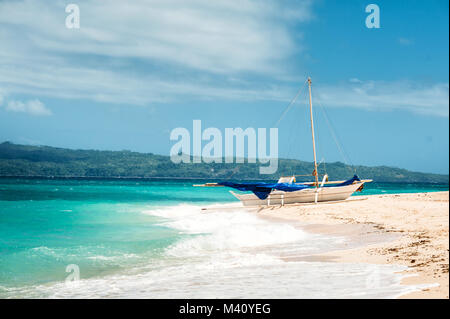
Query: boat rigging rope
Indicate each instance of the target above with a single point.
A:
(340, 147)
(290, 104)
(236, 169)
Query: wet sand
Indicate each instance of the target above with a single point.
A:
(406, 229)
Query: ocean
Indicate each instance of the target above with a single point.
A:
(152, 239)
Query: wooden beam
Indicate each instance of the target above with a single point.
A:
(336, 182)
(306, 183)
(208, 185)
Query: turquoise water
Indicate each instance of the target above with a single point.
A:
(98, 225)
(111, 228)
(400, 188)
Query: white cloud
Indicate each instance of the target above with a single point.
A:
(157, 51)
(219, 36)
(32, 107)
(405, 41)
(355, 80)
(432, 99)
(148, 51)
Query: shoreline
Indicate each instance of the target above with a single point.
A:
(409, 229)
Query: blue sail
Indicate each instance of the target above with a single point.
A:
(355, 178)
(262, 190)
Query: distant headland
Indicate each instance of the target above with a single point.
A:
(45, 161)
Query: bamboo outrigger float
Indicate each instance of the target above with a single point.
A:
(287, 191)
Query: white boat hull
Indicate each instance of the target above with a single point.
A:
(324, 194)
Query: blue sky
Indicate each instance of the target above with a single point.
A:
(133, 72)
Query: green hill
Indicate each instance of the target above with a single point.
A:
(26, 160)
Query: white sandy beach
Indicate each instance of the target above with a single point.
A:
(404, 229)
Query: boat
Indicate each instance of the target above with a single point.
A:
(287, 191)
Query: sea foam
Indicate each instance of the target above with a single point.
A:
(229, 253)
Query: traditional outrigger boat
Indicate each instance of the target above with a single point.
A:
(288, 191)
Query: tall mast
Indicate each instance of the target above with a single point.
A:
(316, 175)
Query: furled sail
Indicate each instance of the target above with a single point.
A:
(355, 178)
(262, 190)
